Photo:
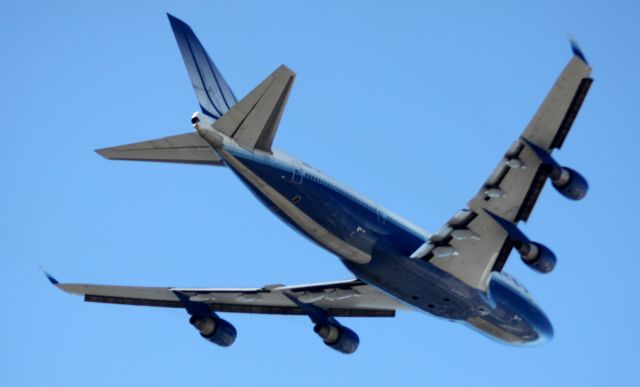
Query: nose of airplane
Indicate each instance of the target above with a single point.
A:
(505, 293)
(541, 324)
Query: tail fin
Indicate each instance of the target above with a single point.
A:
(214, 95)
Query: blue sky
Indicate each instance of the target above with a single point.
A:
(411, 104)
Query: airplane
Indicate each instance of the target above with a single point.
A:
(456, 273)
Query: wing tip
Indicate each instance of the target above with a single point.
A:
(173, 19)
(575, 48)
(284, 69)
(178, 26)
(104, 152)
(51, 278)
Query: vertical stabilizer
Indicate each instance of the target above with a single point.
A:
(214, 95)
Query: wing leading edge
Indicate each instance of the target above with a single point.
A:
(473, 243)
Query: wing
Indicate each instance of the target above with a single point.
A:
(478, 240)
(187, 148)
(351, 298)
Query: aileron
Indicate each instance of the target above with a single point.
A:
(552, 121)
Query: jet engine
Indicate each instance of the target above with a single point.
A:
(569, 183)
(566, 181)
(534, 254)
(537, 256)
(340, 338)
(201, 121)
(214, 329)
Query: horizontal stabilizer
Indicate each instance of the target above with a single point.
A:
(187, 148)
(253, 121)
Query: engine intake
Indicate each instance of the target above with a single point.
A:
(201, 121)
(568, 182)
(340, 338)
(214, 329)
(537, 256)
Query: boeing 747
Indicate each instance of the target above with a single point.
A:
(456, 273)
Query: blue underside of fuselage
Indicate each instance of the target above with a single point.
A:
(343, 216)
(413, 281)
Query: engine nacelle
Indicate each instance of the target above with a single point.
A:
(570, 183)
(340, 338)
(537, 256)
(214, 329)
(204, 126)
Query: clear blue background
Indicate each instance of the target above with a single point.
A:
(410, 103)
